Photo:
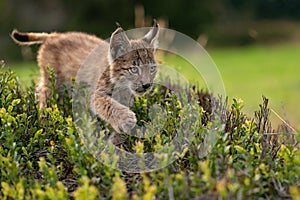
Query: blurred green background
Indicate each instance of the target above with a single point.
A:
(255, 44)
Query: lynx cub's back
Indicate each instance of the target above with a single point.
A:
(124, 68)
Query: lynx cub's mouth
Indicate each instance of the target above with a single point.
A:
(140, 90)
(123, 67)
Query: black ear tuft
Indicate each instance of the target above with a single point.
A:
(155, 24)
(118, 25)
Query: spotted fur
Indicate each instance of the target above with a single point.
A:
(124, 68)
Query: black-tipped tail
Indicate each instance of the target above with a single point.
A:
(19, 37)
(28, 38)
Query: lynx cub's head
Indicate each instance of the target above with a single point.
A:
(132, 62)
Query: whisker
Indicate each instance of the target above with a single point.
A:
(285, 122)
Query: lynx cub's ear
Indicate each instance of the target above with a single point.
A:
(119, 43)
(152, 36)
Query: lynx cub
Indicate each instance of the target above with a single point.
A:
(125, 66)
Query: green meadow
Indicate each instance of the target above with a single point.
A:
(247, 73)
(250, 72)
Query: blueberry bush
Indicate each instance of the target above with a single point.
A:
(42, 155)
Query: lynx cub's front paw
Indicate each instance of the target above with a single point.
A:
(124, 119)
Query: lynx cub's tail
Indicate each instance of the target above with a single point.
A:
(29, 38)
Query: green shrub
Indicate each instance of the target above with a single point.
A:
(42, 155)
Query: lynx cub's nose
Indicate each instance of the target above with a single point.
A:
(146, 86)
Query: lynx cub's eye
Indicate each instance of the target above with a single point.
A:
(152, 69)
(134, 70)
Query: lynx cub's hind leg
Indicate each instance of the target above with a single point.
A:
(42, 91)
